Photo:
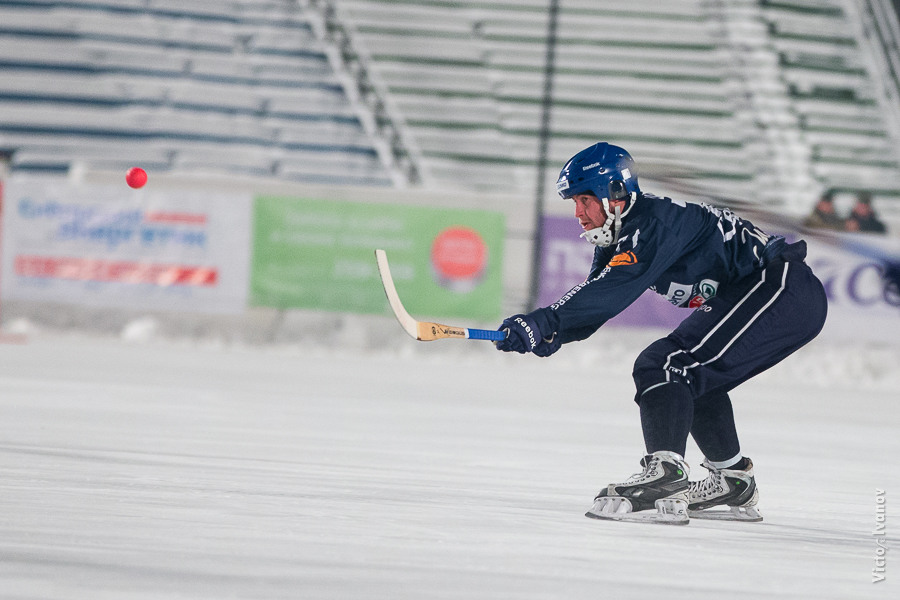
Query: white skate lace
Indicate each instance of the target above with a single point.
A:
(649, 470)
(707, 486)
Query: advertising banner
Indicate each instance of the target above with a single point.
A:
(850, 267)
(109, 246)
(319, 254)
(860, 305)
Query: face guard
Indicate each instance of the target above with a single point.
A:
(609, 233)
(607, 172)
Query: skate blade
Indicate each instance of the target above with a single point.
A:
(735, 513)
(669, 511)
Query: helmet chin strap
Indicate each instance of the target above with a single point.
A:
(609, 233)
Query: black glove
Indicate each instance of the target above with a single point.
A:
(529, 333)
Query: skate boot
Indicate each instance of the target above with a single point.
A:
(731, 489)
(658, 494)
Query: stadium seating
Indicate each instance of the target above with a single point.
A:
(242, 87)
(661, 78)
(766, 100)
(469, 81)
(835, 96)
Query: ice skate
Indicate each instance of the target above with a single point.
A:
(726, 495)
(658, 494)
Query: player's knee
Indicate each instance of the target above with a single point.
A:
(651, 365)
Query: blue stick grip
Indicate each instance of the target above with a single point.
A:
(486, 334)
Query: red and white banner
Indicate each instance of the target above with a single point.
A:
(115, 247)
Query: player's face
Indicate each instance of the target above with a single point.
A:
(589, 211)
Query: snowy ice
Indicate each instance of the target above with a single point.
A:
(137, 467)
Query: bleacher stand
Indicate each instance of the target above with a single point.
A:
(469, 78)
(238, 87)
(837, 94)
(771, 101)
(753, 99)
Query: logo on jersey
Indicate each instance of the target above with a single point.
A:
(679, 293)
(706, 289)
(625, 258)
(696, 302)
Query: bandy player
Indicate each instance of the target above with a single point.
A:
(754, 301)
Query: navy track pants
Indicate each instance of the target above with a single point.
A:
(683, 380)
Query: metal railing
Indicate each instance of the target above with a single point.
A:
(394, 146)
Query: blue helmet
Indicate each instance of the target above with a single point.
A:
(607, 172)
(604, 170)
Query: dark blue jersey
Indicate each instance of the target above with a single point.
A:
(685, 252)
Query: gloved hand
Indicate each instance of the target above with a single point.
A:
(525, 335)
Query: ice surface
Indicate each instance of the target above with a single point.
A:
(166, 469)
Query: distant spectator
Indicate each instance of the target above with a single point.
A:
(824, 214)
(863, 217)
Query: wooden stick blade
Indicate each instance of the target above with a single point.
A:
(410, 325)
(422, 330)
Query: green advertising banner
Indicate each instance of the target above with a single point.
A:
(319, 254)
